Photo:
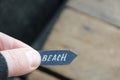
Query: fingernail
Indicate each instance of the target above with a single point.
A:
(33, 58)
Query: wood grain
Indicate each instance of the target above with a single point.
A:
(37, 75)
(96, 43)
(106, 10)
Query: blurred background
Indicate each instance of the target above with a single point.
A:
(90, 28)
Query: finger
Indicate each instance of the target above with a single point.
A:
(21, 61)
(7, 42)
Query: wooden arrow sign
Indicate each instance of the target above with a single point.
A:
(56, 57)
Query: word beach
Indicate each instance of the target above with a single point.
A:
(55, 57)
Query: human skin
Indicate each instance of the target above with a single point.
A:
(20, 57)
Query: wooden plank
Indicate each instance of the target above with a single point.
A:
(37, 75)
(96, 43)
(107, 10)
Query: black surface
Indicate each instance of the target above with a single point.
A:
(25, 19)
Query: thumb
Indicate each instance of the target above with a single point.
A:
(21, 61)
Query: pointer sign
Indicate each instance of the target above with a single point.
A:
(57, 57)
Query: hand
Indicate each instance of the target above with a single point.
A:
(20, 57)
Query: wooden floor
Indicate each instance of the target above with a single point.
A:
(90, 29)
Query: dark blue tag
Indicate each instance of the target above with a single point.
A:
(56, 57)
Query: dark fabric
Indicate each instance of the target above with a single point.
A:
(3, 68)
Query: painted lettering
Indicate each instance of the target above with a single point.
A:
(44, 58)
(64, 56)
(55, 57)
